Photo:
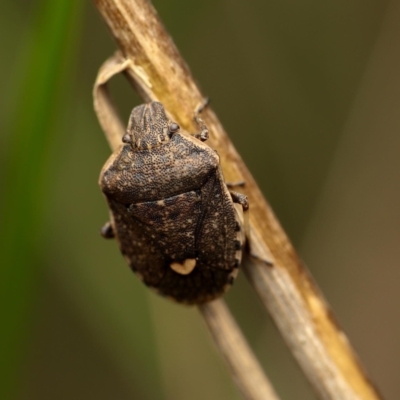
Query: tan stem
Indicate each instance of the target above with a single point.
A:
(245, 369)
(286, 288)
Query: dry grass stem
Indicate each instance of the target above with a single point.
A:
(245, 369)
(153, 64)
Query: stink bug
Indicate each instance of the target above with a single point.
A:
(177, 224)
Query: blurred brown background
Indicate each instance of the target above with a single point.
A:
(309, 92)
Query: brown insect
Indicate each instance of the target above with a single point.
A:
(177, 224)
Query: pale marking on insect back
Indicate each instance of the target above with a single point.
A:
(185, 268)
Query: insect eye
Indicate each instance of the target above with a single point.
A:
(173, 127)
(127, 138)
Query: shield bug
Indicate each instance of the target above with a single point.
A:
(176, 222)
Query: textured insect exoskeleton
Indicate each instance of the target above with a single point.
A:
(171, 212)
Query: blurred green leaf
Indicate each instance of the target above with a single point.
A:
(32, 133)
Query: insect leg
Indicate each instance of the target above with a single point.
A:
(203, 134)
(107, 231)
(240, 199)
(232, 185)
(255, 256)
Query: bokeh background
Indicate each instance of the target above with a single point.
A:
(309, 92)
